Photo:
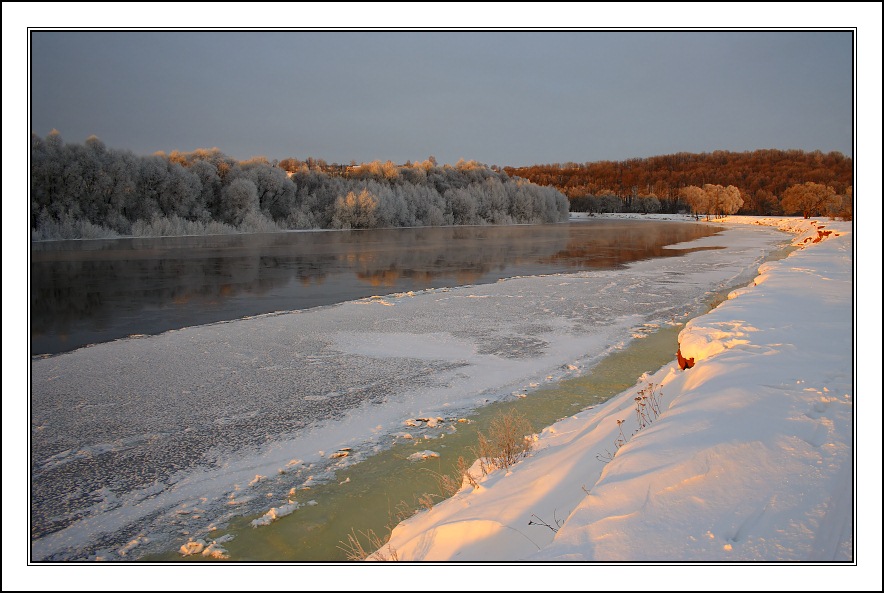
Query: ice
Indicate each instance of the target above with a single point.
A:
(192, 547)
(275, 513)
(421, 455)
(745, 457)
(263, 391)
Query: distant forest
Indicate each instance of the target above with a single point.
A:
(91, 191)
(657, 184)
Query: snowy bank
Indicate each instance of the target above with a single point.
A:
(750, 457)
(166, 438)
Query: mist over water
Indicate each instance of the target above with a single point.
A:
(139, 444)
(86, 292)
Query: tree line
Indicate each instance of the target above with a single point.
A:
(658, 184)
(91, 191)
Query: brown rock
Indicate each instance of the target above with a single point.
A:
(684, 363)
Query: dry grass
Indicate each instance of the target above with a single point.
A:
(647, 405)
(509, 439)
(425, 500)
(373, 546)
(448, 485)
(464, 469)
(647, 409)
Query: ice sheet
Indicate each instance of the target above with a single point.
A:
(128, 434)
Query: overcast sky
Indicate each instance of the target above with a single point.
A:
(506, 98)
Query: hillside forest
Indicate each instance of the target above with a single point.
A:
(822, 182)
(81, 191)
(92, 191)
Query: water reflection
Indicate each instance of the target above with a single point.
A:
(617, 247)
(86, 292)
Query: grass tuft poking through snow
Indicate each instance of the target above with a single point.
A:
(509, 438)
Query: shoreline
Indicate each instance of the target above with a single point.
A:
(442, 347)
(639, 478)
(572, 217)
(135, 290)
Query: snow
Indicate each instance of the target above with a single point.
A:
(161, 423)
(750, 458)
(421, 455)
(275, 513)
(213, 549)
(192, 547)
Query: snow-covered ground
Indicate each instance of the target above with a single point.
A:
(142, 444)
(750, 458)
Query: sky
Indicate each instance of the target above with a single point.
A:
(498, 97)
(519, 142)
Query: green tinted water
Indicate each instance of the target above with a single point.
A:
(387, 486)
(373, 495)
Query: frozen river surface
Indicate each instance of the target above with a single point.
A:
(143, 443)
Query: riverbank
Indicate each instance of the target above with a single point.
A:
(750, 458)
(542, 577)
(143, 444)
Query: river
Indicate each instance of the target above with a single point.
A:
(87, 292)
(220, 407)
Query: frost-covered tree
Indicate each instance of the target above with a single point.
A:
(355, 211)
(96, 184)
(150, 184)
(521, 202)
(93, 190)
(842, 207)
(181, 192)
(721, 200)
(609, 201)
(810, 199)
(428, 206)
(209, 201)
(730, 200)
(647, 204)
(492, 205)
(461, 204)
(415, 174)
(276, 192)
(316, 197)
(120, 173)
(45, 175)
(550, 205)
(695, 197)
(712, 199)
(393, 210)
(237, 200)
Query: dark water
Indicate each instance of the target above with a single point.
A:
(85, 292)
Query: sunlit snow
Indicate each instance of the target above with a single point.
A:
(129, 433)
(750, 458)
